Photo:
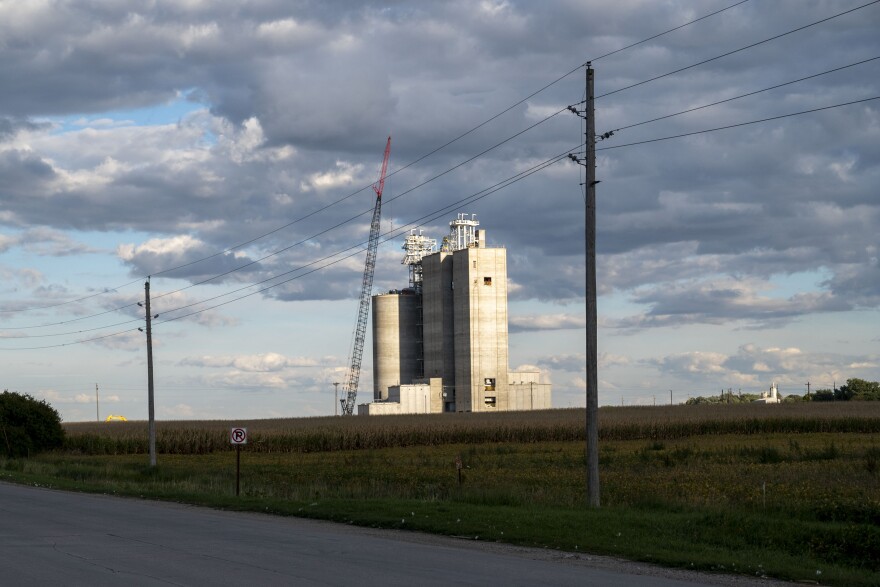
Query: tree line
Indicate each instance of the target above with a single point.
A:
(853, 390)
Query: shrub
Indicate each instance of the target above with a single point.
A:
(27, 425)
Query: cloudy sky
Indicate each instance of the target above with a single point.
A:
(227, 148)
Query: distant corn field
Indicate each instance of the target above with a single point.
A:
(353, 433)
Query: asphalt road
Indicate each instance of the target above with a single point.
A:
(52, 537)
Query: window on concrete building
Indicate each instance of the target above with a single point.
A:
(490, 401)
(487, 281)
(489, 384)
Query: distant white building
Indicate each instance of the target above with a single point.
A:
(771, 397)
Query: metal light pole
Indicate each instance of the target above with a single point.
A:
(336, 399)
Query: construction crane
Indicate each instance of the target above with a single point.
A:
(360, 332)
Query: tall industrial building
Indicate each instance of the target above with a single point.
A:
(441, 345)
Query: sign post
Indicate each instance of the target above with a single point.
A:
(238, 437)
(458, 467)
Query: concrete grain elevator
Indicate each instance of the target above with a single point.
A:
(441, 345)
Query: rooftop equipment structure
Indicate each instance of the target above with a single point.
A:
(360, 332)
(417, 245)
(462, 233)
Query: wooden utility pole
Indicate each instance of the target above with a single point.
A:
(592, 327)
(589, 163)
(151, 410)
(97, 405)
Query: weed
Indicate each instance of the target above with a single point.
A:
(872, 455)
(768, 455)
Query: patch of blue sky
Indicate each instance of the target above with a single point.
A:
(169, 112)
(786, 286)
(617, 305)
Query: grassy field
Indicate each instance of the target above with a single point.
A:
(788, 491)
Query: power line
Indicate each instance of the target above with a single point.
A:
(448, 171)
(666, 32)
(400, 230)
(31, 327)
(306, 239)
(503, 142)
(390, 235)
(745, 95)
(100, 293)
(556, 81)
(84, 330)
(688, 134)
(679, 70)
(319, 210)
(311, 237)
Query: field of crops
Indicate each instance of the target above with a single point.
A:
(355, 433)
(786, 490)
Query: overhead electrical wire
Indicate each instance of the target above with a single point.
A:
(393, 234)
(401, 229)
(745, 95)
(356, 249)
(708, 130)
(668, 31)
(68, 302)
(433, 178)
(703, 62)
(311, 237)
(390, 235)
(503, 184)
(556, 81)
(306, 239)
(351, 219)
(414, 162)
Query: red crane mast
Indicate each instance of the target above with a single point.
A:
(360, 332)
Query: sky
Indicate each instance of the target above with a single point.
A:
(227, 149)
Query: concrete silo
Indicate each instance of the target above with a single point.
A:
(397, 345)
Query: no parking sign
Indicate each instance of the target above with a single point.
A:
(238, 436)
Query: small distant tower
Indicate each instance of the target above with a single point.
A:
(417, 245)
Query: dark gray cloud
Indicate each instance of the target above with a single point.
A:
(9, 127)
(299, 98)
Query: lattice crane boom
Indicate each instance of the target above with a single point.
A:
(360, 332)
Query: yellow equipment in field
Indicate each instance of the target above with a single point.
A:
(112, 418)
